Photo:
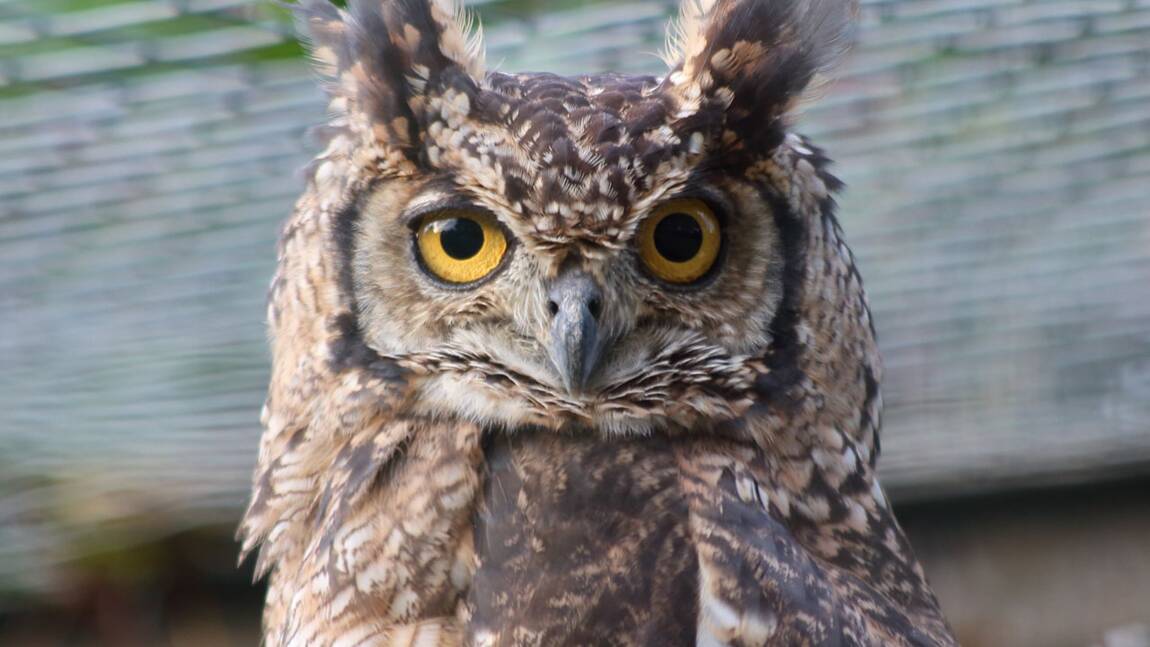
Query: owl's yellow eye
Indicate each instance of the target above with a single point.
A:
(680, 241)
(460, 246)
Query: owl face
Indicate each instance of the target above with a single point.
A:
(601, 251)
(550, 257)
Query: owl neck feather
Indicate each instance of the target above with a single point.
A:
(818, 400)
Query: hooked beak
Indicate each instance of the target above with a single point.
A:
(575, 303)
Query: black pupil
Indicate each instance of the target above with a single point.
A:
(461, 238)
(678, 237)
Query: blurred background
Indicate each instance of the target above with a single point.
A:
(997, 156)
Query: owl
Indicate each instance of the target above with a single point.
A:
(574, 360)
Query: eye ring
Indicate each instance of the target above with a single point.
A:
(460, 247)
(680, 241)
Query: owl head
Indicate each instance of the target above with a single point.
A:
(616, 252)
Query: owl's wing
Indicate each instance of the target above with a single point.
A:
(770, 579)
(660, 542)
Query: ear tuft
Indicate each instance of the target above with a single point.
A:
(755, 57)
(384, 58)
(685, 34)
(461, 36)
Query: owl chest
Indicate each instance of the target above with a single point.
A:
(582, 542)
(529, 540)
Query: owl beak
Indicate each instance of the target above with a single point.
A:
(575, 303)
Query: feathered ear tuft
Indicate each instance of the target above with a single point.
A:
(384, 59)
(755, 57)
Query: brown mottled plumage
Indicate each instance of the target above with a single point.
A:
(434, 472)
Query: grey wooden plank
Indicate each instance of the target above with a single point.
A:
(116, 16)
(16, 32)
(218, 42)
(77, 61)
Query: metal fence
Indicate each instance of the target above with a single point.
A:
(997, 155)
